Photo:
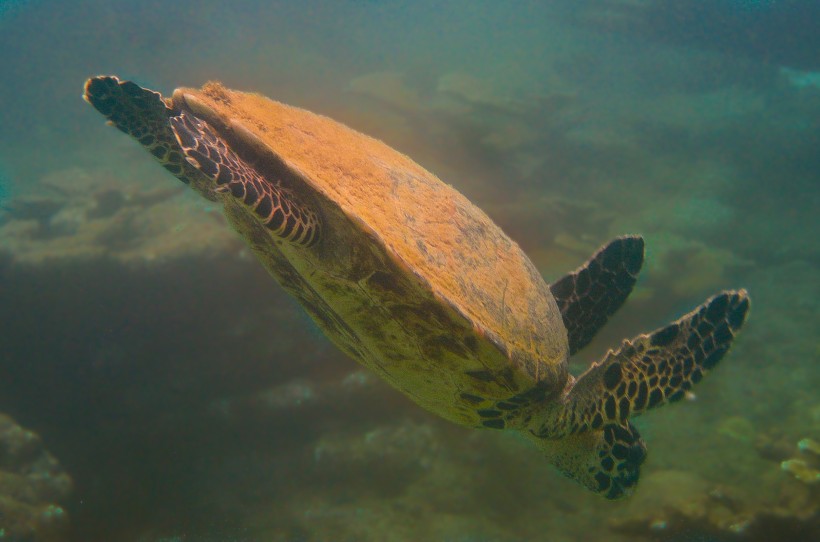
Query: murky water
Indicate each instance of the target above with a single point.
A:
(174, 392)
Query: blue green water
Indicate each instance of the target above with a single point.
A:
(190, 399)
(5, 184)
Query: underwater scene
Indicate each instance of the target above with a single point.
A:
(157, 384)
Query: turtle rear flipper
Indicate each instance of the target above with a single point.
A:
(592, 293)
(278, 208)
(591, 438)
(606, 461)
(660, 367)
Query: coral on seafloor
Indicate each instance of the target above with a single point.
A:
(686, 267)
(74, 214)
(390, 88)
(806, 467)
(390, 456)
(477, 93)
(32, 483)
(480, 112)
(674, 505)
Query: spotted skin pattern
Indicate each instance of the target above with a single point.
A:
(279, 209)
(591, 294)
(646, 372)
(144, 115)
(586, 298)
(583, 427)
(511, 412)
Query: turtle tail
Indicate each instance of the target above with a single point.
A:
(590, 438)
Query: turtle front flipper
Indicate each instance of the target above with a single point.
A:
(591, 294)
(590, 438)
(278, 208)
(142, 114)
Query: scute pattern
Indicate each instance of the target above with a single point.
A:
(143, 114)
(653, 369)
(593, 292)
(661, 367)
(277, 207)
(513, 411)
(419, 285)
(644, 373)
(621, 451)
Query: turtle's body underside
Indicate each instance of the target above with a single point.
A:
(410, 279)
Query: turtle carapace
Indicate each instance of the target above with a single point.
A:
(414, 282)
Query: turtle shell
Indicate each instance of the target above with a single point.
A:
(461, 316)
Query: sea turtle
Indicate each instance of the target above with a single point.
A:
(414, 282)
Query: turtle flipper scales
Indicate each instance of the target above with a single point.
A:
(143, 114)
(590, 437)
(660, 367)
(592, 293)
(606, 461)
(279, 209)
